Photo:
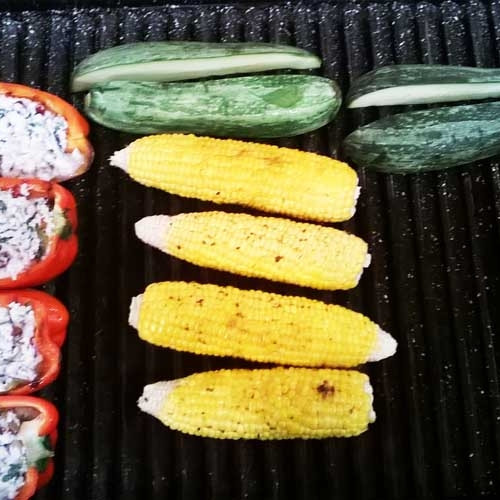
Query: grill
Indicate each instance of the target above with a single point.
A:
(434, 280)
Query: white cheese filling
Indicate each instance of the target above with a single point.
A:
(19, 358)
(25, 226)
(33, 141)
(13, 456)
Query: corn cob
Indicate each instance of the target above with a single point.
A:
(260, 326)
(263, 247)
(279, 180)
(278, 403)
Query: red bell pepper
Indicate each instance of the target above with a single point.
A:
(78, 127)
(39, 432)
(51, 322)
(62, 246)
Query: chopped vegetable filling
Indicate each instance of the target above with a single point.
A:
(13, 458)
(33, 141)
(25, 226)
(19, 357)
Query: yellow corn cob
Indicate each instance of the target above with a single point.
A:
(279, 180)
(263, 247)
(260, 326)
(277, 403)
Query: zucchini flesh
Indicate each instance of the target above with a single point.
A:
(254, 106)
(423, 84)
(174, 61)
(433, 139)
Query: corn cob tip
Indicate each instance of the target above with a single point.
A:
(153, 396)
(385, 346)
(368, 260)
(120, 159)
(133, 316)
(371, 412)
(357, 192)
(153, 230)
(366, 263)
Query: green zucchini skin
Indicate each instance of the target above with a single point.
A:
(254, 106)
(421, 84)
(433, 139)
(174, 61)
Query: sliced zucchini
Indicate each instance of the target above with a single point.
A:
(423, 84)
(174, 61)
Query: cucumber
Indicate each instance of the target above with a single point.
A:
(423, 84)
(253, 106)
(433, 139)
(173, 61)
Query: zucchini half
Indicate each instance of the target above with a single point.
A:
(433, 139)
(251, 106)
(174, 61)
(423, 84)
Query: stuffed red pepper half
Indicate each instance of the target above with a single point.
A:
(32, 329)
(28, 434)
(37, 231)
(41, 135)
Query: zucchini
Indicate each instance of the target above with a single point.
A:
(253, 106)
(173, 61)
(423, 84)
(433, 139)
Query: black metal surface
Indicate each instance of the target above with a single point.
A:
(434, 282)
(16, 5)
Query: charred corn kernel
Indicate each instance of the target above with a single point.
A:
(260, 326)
(263, 247)
(279, 180)
(277, 403)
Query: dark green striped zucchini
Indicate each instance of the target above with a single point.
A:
(254, 106)
(427, 140)
(423, 84)
(173, 61)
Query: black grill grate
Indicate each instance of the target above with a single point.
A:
(434, 282)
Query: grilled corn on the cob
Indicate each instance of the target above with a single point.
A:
(264, 247)
(268, 178)
(260, 326)
(277, 403)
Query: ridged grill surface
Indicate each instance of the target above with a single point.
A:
(434, 281)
